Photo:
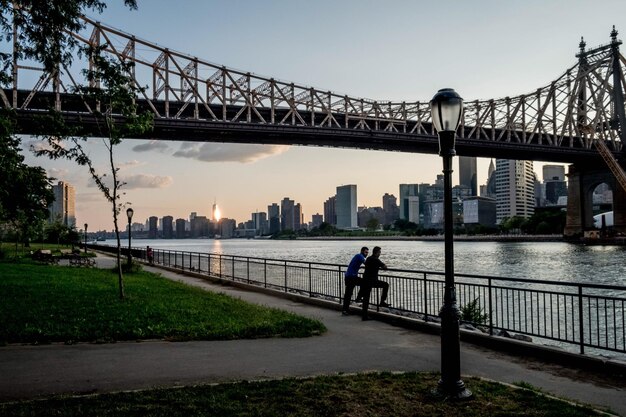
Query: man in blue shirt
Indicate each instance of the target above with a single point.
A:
(352, 278)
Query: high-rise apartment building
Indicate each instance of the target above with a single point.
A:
(63, 207)
(153, 230)
(168, 227)
(390, 208)
(273, 215)
(298, 217)
(406, 191)
(346, 207)
(330, 210)
(180, 228)
(467, 173)
(259, 222)
(515, 189)
(287, 221)
(413, 203)
(316, 220)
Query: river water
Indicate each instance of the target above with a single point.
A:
(557, 261)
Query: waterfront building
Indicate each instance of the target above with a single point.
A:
(227, 227)
(63, 207)
(433, 214)
(479, 211)
(259, 222)
(413, 205)
(273, 215)
(346, 207)
(553, 173)
(181, 228)
(298, 217)
(287, 207)
(168, 227)
(330, 211)
(316, 220)
(153, 230)
(366, 214)
(391, 209)
(406, 191)
(515, 189)
(200, 226)
(467, 174)
(554, 184)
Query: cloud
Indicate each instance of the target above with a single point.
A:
(147, 181)
(130, 164)
(152, 145)
(58, 173)
(233, 152)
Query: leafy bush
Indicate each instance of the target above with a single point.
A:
(471, 312)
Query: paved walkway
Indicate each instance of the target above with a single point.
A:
(349, 345)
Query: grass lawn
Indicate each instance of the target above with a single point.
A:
(385, 394)
(49, 303)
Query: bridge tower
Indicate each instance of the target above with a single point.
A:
(584, 178)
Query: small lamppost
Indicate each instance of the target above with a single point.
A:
(85, 238)
(129, 214)
(446, 109)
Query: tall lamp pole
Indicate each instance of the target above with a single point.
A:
(446, 109)
(129, 214)
(85, 238)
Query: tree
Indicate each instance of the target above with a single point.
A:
(40, 30)
(25, 191)
(372, 224)
(112, 100)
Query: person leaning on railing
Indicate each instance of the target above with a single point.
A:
(352, 279)
(370, 280)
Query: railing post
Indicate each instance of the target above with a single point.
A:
(265, 273)
(182, 260)
(490, 310)
(248, 268)
(310, 281)
(233, 268)
(339, 285)
(220, 265)
(580, 319)
(425, 298)
(209, 264)
(285, 276)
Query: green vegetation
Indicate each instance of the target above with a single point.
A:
(43, 304)
(383, 394)
(471, 312)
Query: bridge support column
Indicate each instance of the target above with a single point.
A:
(582, 181)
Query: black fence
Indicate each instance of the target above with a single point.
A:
(570, 314)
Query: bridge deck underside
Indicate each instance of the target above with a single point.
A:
(252, 128)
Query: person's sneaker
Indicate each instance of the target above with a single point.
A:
(384, 304)
(345, 313)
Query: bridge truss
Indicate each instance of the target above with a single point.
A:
(584, 104)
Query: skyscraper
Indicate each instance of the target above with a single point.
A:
(467, 173)
(64, 205)
(168, 227)
(390, 207)
(345, 206)
(153, 227)
(273, 215)
(287, 214)
(297, 217)
(330, 210)
(406, 191)
(515, 189)
(180, 228)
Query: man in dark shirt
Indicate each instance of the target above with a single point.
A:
(352, 278)
(370, 280)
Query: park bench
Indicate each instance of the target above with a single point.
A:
(77, 260)
(45, 256)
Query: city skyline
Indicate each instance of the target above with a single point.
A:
(174, 176)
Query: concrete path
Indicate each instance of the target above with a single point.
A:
(349, 345)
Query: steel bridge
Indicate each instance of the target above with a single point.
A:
(196, 100)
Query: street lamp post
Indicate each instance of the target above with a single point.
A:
(446, 109)
(129, 214)
(85, 238)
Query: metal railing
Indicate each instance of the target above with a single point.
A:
(572, 314)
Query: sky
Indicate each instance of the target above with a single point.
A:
(392, 50)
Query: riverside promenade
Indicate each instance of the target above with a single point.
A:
(348, 346)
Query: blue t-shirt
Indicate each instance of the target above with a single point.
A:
(355, 264)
